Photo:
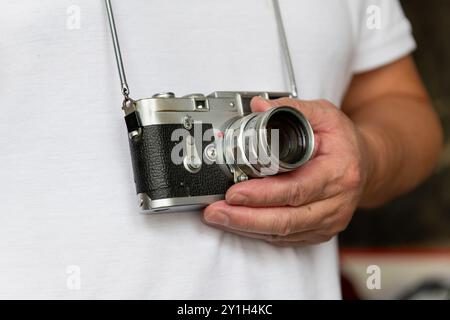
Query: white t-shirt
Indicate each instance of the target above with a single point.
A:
(69, 223)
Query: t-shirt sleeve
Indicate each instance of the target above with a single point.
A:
(383, 36)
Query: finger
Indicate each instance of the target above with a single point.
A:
(270, 221)
(266, 237)
(258, 104)
(296, 239)
(310, 183)
(307, 237)
(257, 236)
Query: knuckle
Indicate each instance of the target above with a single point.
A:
(326, 226)
(286, 102)
(296, 194)
(336, 228)
(324, 103)
(332, 226)
(354, 176)
(282, 225)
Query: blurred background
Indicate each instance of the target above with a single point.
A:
(409, 238)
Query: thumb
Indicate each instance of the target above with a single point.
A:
(258, 104)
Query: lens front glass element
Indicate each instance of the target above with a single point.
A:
(267, 143)
(289, 137)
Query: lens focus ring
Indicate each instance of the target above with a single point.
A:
(261, 144)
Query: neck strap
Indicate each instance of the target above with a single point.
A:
(281, 34)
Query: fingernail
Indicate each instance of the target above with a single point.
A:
(217, 217)
(237, 198)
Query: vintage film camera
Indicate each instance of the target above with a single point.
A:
(187, 151)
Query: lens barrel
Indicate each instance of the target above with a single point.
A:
(267, 143)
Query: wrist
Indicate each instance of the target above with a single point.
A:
(371, 148)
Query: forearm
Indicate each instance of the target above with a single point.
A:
(402, 140)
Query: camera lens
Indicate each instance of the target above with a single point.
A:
(268, 143)
(291, 138)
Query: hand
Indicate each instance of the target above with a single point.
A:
(311, 204)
